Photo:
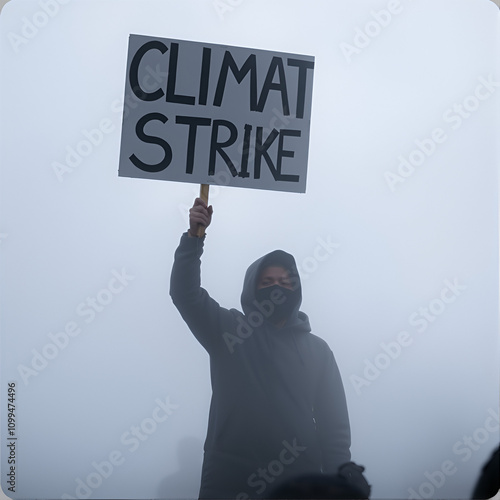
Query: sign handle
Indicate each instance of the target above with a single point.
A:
(204, 196)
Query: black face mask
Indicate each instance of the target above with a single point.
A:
(275, 302)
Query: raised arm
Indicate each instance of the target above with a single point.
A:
(203, 315)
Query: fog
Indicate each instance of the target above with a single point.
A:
(399, 262)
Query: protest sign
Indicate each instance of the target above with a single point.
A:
(214, 114)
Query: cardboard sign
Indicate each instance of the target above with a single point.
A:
(213, 114)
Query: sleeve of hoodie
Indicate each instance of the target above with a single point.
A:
(203, 315)
(332, 418)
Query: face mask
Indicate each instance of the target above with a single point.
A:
(275, 302)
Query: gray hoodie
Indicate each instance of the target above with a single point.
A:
(278, 406)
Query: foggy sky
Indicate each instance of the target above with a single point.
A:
(400, 272)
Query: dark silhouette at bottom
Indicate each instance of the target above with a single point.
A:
(323, 486)
(488, 483)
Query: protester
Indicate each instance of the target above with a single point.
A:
(278, 408)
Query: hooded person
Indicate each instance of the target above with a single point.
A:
(278, 407)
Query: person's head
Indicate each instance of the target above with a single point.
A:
(272, 289)
(278, 287)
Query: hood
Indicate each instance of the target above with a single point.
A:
(275, 258)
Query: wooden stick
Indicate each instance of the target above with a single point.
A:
(204, 196)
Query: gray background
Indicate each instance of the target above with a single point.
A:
(390, 251)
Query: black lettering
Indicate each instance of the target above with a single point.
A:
(302, 83)
(276, 64)
(172, 77)
(287, 154)
(139, 130)
(246, 149)
(218, 147)
(261, 151)
(193, 123)
(250, 65)
(134, 71)
(205, 73)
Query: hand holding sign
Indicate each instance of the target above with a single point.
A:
(200, 217)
